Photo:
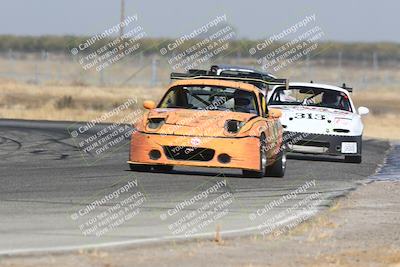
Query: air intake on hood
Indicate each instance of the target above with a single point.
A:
(155, 123)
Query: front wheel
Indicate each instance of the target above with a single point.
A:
(277, 169)
(263, 162)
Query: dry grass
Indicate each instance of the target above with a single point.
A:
(61, 102)
(384, 126)
(384, 117)
(379, 101)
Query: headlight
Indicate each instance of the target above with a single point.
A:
(233, 126)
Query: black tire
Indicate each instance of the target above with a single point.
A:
(263, 162)
(163, 168)
(139, 167)
(353, 159)
(277, 169)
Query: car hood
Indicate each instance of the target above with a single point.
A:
(320, 120)
(195, 122)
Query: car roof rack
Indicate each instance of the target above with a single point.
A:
(259, 79)
(349, 89)
(220, 68)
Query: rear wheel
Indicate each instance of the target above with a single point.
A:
(139, 167)
(277, 169)
(263, 161)
(353, 159)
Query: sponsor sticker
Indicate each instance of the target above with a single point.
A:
(195, 141)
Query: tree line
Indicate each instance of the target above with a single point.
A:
(329, 49)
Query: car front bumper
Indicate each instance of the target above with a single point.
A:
(323, 144)
(219, 152)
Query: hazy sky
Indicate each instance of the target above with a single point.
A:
(342, 20)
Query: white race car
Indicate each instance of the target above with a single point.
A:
(320, 119)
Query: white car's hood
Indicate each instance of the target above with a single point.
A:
(319, 120)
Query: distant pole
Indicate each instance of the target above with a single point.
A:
(36, 74)
(58, 73)
(121, 29)
(11, 58)
(10, 54)
(375, 61)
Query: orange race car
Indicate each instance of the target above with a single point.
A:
(217, 118)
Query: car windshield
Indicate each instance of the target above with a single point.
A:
(310, 96)
(210, 98)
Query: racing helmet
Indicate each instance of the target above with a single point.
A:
(330, 98)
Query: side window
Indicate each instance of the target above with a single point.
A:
(168, 100)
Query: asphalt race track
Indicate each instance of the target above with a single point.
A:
(46, 180)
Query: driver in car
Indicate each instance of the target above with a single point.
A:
(335, 100)
(244, 102)
(330, 99)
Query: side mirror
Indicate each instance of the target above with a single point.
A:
(275, 113)
(148, 104)
(363, 111)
